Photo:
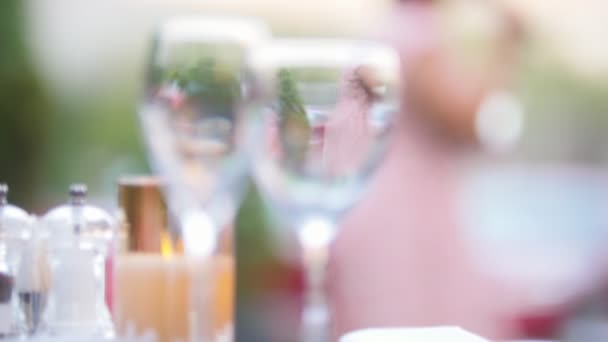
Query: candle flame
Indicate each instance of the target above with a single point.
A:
(166, 245)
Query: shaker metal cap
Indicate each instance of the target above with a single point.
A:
(75, 217)
(3, 193)
(78, 193)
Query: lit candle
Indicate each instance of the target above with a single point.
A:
(162, 295)
(156, 288)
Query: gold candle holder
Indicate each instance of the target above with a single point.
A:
(145, 215)
(155, 289)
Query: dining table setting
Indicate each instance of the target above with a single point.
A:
(439, 176)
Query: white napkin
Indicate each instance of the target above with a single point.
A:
(435, 334)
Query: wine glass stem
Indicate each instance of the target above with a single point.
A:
(316, 319)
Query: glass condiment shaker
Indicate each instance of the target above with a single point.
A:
(80, 240)
(33, 279)
(14, 232)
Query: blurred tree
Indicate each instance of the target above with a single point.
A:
(24, 107)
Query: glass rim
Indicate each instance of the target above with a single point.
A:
(324, 52)
(212, 27)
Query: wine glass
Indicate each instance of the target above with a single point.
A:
(191, 112)
(324, 118)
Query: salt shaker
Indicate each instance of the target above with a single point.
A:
(80, 237)
(14, 232)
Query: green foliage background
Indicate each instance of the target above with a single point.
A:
(24, 108)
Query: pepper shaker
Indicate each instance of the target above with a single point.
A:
(80, 239)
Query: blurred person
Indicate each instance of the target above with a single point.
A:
(400, 258)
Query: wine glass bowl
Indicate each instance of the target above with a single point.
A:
(196, 89)
(325, 122)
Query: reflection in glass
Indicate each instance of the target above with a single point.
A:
(325, 121)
